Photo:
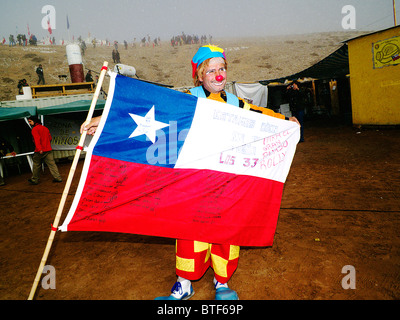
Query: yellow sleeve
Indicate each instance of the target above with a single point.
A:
(268, 112)
(248, 106)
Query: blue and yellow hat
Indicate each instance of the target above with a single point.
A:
(204, 53)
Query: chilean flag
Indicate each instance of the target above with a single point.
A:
(168, 164)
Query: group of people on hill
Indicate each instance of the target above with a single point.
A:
(22, 40)
(189, 39)
(115, 56)
(146, 41)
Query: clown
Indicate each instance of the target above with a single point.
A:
(193, 258)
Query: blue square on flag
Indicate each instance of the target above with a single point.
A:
(140, 112)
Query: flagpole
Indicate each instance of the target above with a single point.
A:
(68, 183)
(69, 38)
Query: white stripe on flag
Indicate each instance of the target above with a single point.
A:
(252, 143)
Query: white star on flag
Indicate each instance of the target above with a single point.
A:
(147, 125)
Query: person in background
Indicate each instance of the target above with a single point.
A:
(297, 103)
(193, 258)
(22, 83)
(117, 57)
(39, 72)
(6, 149)
(89, 77)
(43, 152)
(114, 55)
(101, 89)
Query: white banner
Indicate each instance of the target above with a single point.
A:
(253, 93)
(64, 132)
(228, 139)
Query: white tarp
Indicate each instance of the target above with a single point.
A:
(254, 93)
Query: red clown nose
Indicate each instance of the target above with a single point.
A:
(219, 78)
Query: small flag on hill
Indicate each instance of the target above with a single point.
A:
(49, 27)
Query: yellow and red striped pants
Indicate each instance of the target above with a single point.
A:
(193, 258)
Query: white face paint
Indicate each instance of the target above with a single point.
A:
(214, 77)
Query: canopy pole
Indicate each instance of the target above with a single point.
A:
(68, 183)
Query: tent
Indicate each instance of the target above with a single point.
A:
(75, 106)
(17, 133)
(336, 65)
(14, 130)
(330, 90)
(14, 113)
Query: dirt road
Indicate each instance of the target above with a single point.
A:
(341, 206)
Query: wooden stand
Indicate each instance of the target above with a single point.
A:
(62, 89)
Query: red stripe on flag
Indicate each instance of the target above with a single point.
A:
(192, 204)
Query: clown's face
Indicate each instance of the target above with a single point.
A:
(214, 76)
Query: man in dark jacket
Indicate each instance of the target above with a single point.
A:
(89, 77)
(297, 104)
(40, 74)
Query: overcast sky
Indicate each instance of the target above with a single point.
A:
(128, 19)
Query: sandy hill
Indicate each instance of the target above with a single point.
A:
(249, 59)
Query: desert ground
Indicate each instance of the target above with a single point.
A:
(340, 206)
